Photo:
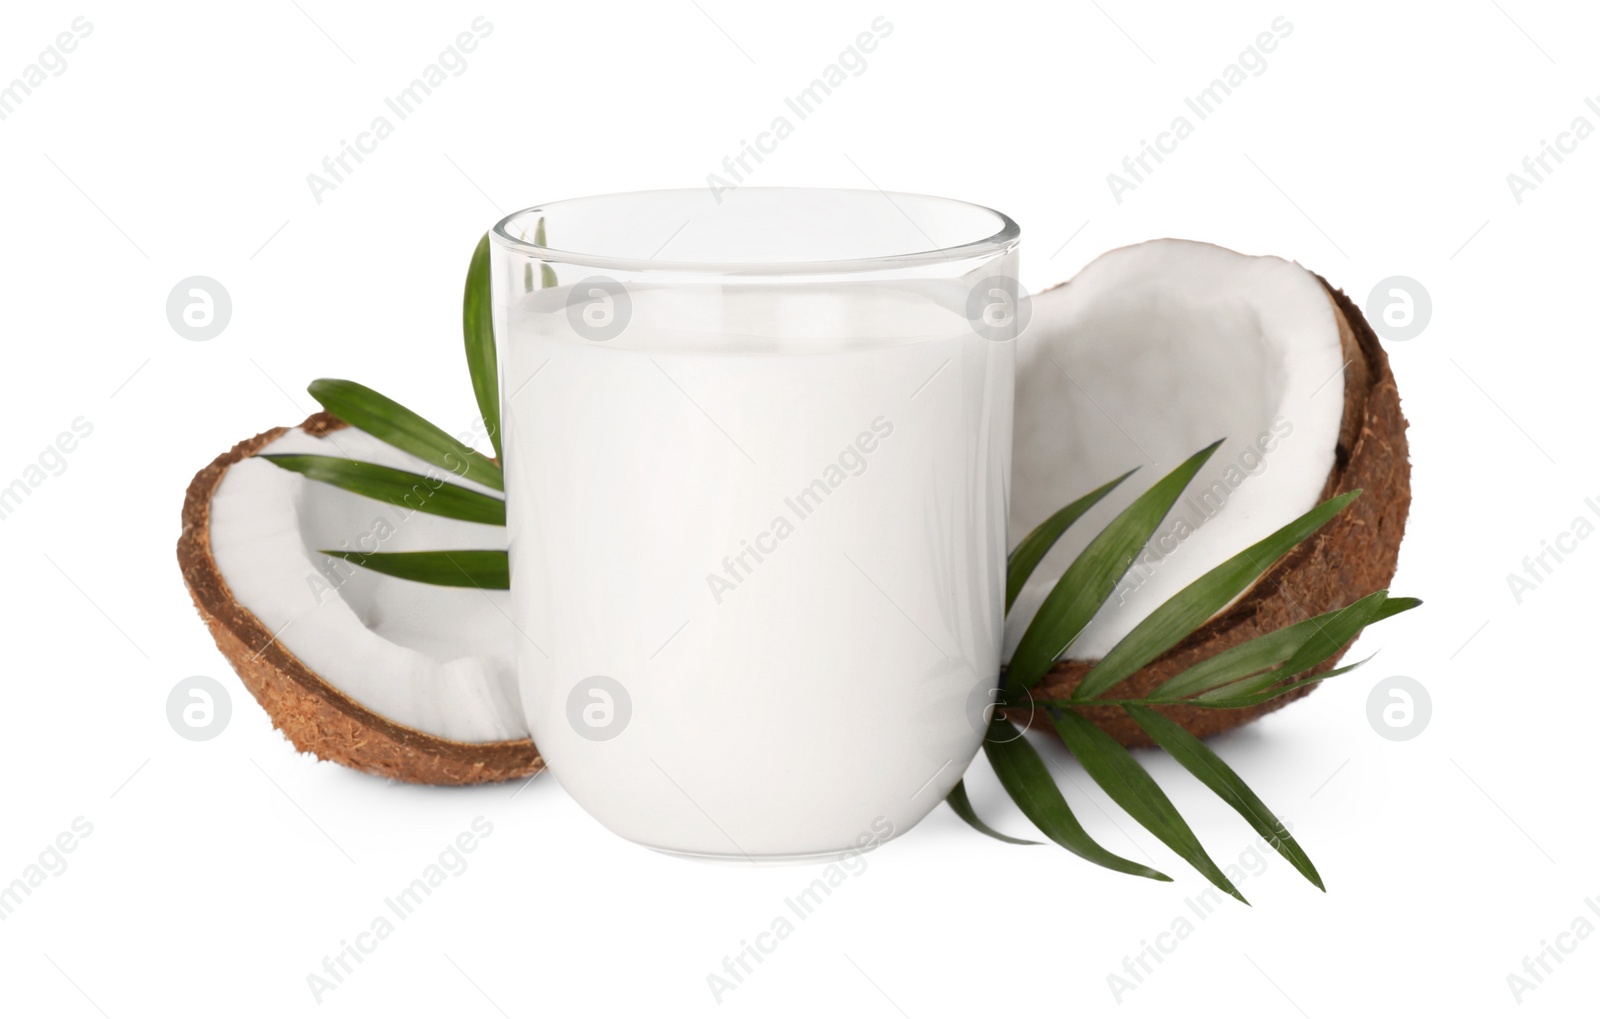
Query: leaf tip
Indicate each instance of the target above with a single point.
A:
(1198, 459)
(1344, 499)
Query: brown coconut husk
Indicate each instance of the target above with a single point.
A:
(316, 716)
(1352, 556)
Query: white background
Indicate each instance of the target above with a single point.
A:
(1377, 142)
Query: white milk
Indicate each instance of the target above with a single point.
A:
(782, 554)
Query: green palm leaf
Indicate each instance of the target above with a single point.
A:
(1030, 550)
(1260, 693)
(1257, 655)
(477, 323)
(1124, 779)
(1091, 578)
(404, 429)
(1204, 764)
(399, 488)
(1322, 642)
(1185, 611)
(1026, 779)
(963, 807)
(547, 274)
(487, 569)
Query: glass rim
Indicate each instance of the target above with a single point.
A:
(1001, 240)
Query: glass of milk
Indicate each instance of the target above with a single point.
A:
(757, 445)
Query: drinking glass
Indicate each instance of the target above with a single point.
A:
(756, 446)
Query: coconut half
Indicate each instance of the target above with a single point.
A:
(1156, 350)
(403, 680)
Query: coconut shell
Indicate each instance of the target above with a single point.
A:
(1349, 558)
(316, 716)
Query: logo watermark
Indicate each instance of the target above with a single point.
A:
(1399, 708)
(336, 571)
(51, 862)
(1553, 952)
(1541, 566)
(799, 907)
(50, 463)
(1199, 507)
(1399, 308)
(1155, 950)
(999, 308)
(1537, 168)
(199, 308)
(198, 708)
(599, 708)
(51, 63)
(451, 63)
(1251, 63)
(851, 463)
(851, 63)
(599, 308)
(450, 862)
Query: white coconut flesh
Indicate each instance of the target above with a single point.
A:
(1148, 355)
(436, 659)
